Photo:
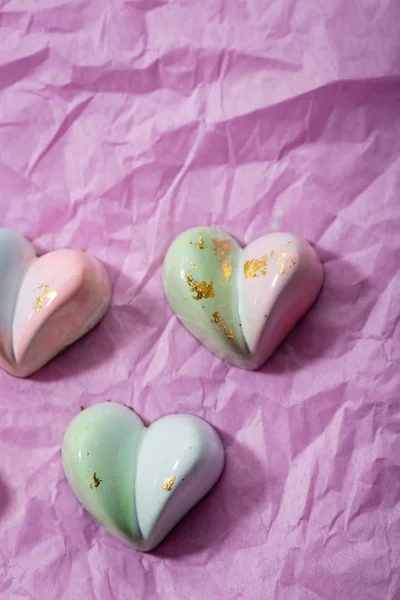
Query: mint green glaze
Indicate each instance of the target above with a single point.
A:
(93, 440)
(205, 264)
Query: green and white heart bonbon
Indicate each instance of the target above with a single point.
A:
(240, 303)
(140, 481)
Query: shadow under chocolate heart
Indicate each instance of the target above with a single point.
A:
(344, 301)
(243, 486)
(5, 496)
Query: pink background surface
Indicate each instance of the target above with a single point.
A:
(123, 123)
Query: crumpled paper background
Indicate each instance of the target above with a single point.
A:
(123, 123)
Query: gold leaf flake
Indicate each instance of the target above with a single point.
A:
(227, 269)
(47, 294)
(200, 243)
(222, 250)
(255, 267)
(202, 289)
(285, 263)
(222, 326)
(96, 481)
(168, 483)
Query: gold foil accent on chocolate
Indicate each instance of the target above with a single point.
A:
(222, 326)
(227, 269)
(255, 267)
(168, 483)
(285, 263)
(202, 289)
(221, 251)
(200, 243)
(222, 248)
(289, 242)
(47, 294)
(258, 266)
(96, 481)
(281, 260)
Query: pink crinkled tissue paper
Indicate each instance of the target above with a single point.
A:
(124, 122)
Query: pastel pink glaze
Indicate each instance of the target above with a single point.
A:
(83, 292)
(271, 304)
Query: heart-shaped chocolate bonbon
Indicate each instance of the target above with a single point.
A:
(46, 303)
(240, 303)
(137, 481)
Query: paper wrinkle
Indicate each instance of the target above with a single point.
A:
(121, 125)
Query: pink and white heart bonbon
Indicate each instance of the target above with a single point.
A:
(46, 302)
